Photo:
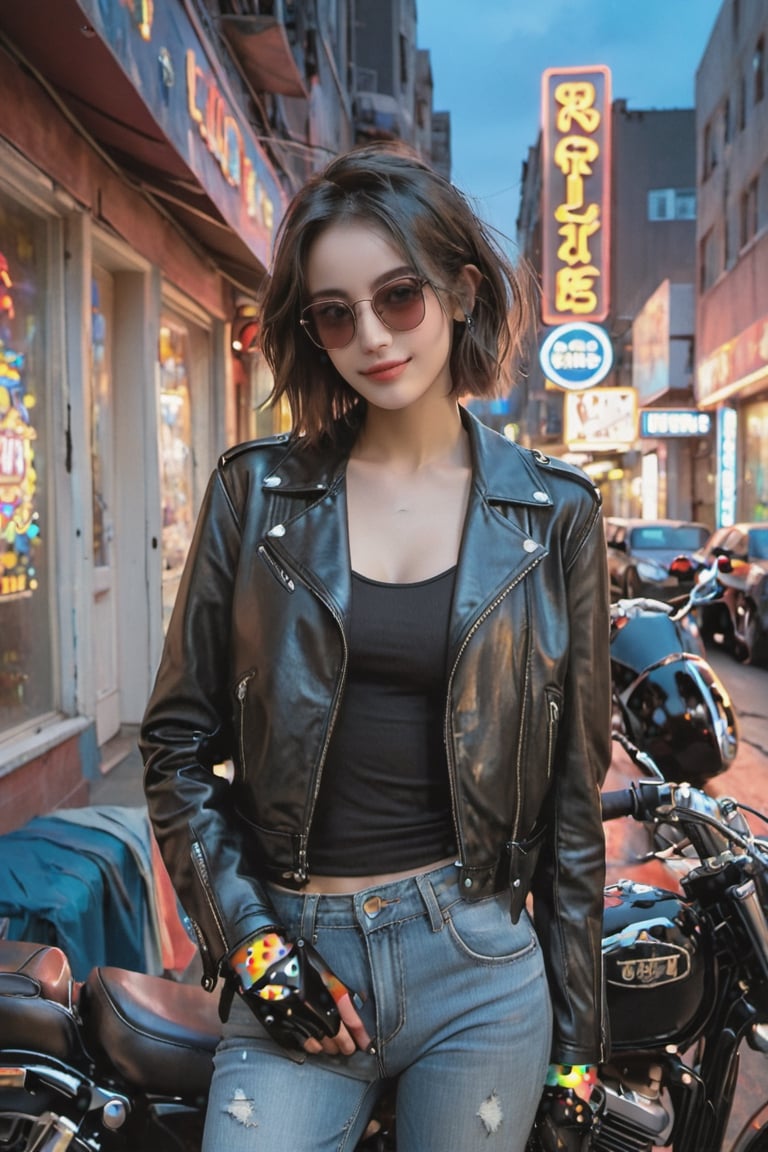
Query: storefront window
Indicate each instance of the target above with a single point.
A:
(26, 658)
(755, 494)
(101, 412)
(176, 462)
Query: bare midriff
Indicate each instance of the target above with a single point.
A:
(349, 885)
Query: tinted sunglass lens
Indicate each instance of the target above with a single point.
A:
(400, 305)
(331, 323)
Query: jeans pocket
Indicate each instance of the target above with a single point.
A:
(484, 931)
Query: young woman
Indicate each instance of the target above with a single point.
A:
(394, 622)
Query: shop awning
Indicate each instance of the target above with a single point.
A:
(154, 98)
(261, 45)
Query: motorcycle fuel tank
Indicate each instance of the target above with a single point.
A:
(659, 976)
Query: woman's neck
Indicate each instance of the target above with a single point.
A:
(409, 444)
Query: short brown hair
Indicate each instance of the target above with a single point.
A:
(433, 224)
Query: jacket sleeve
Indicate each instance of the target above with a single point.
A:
(568, 884)
(186, 731)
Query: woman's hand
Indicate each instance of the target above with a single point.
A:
(298, 999)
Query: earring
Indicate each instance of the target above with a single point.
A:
(469, 320)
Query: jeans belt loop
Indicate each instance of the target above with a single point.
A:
(308, 916)
(431, 904)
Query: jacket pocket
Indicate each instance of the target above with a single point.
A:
(553, 702)
(523, 857)
(284, 578)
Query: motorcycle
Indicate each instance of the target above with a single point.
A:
(124, 1060)
(666, 698)
(686, 978)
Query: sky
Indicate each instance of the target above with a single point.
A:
(488, 56)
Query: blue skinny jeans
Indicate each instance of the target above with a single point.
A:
(456, 1001)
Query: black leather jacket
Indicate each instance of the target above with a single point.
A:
(254, 667)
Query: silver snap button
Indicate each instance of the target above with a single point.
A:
(278, 530)
(516, 883)
(529, 545)
(467, 881)
(272, 482)
(540, 496)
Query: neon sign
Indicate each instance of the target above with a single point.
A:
(576, 112)
(727, 441)
(220, 131)
(576, 356)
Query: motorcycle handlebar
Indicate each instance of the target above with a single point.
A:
(620, 802)
(642, 800)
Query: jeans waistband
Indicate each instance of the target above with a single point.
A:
(429, 893)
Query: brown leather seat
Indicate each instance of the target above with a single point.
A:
(46, 965)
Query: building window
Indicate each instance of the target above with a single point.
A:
(27, 647)
(758, 71)
(742, 103)
(403, 60)
(710, 155)
(727, 128)
(728, 224)
(672, 204)
(708, 264)
(748, 228)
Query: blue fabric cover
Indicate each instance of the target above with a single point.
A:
(76, 887)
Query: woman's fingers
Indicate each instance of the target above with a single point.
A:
(352, 1033)
(354, 1024)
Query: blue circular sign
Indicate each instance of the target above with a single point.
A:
(576, 356)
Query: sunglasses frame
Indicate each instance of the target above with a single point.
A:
(305, 324)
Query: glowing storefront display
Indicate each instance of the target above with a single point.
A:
(601, 420)
(19, 518)
(26, 672)
(576, 107)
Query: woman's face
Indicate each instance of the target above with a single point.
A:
(389, 369)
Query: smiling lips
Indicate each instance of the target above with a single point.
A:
(386, 370)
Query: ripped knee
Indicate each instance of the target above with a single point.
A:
(490, 1113)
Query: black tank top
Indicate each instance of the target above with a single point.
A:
(384, 800)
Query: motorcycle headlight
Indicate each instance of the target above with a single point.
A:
(651, 570)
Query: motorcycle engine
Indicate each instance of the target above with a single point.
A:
(638, 1114)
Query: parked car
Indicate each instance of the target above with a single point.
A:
(652, 557)
(739, 619)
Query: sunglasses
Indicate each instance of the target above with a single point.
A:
(399, 304)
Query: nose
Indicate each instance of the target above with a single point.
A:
(372, 333)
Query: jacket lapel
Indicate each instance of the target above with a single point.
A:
(498, 548)
(314, 538)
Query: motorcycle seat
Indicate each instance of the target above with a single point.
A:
(35, 1008)
(159, 1035)
(46, 966)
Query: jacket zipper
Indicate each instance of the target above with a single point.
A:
(447, 725)
(242, 691)
(198, 860)
(301, 875)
